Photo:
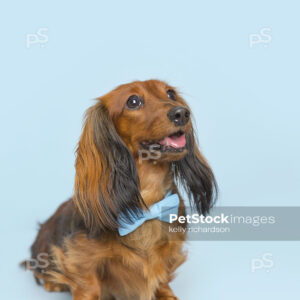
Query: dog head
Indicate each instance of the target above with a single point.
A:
(150, 116)
(134, 119)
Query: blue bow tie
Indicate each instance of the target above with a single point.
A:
(160, 210)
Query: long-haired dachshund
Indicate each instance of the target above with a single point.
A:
(110, 241)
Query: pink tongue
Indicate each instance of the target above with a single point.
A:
(174, 141)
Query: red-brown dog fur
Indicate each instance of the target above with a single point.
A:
(88, 257)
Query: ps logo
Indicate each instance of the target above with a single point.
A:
(41, 262)
(263, 37)
(266, 262)
(40, 37)
(151, 154)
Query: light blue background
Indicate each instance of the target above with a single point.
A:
(245, 101)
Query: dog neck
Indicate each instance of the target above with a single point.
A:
(155, 180)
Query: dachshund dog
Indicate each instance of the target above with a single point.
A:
(136, 148)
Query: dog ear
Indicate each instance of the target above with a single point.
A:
(106, 180)
(196, 176)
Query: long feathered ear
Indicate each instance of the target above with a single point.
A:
(196, 176)
(106, 180)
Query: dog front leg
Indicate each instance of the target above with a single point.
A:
(88, 289)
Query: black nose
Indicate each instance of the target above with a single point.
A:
(179, 115)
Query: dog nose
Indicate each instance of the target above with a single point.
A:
(179, 115)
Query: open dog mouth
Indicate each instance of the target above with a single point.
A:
(172, 143)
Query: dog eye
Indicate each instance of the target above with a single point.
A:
(134, 102)
(171, 94)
